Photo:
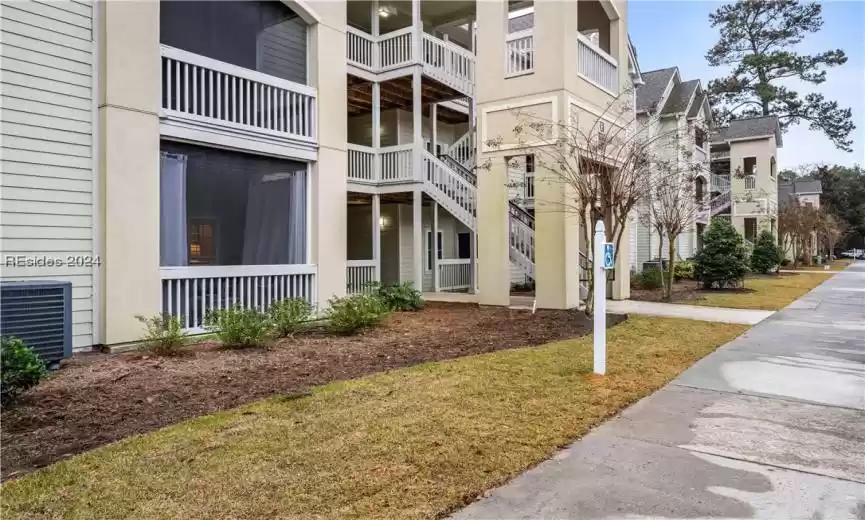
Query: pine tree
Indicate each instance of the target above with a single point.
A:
(758, 38)
(766, 255)
(723, 260)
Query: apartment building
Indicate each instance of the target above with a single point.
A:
(675, 119)
(187, 156)
(744, 163)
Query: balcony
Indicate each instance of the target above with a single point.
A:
(386, 165)
(443, 61)
(519, 53)
(596, 66)
(719, 156)
(212, 101)
(750, 182)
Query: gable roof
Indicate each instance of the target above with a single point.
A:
(679, 99)
(655, 82)
(752, 127)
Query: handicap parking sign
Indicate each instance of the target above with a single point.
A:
(609, 255)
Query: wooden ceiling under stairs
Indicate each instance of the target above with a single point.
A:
(397, 93)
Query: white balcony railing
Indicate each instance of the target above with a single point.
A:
(191, 292)
(361, 48)
(750, 182)
(212, 92)
(717, 156)
(596, 66)
(387, 164)
(454, 274)
(359, 274)
(720, 183)
(396, 49)
(449, 63)
(519, 53)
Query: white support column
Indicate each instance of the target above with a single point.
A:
(435, 245)
(433, 114)
(376, 234)
(376, 130)
(417, 121)
(374, 18)
(417, 30)
(417, 239)
(473, 258)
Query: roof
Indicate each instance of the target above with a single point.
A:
(680, 97)
(521, 23)
(751, 127)
(699, 100)
(790, 190)
(655, 82)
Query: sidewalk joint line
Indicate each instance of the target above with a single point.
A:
(766, 396)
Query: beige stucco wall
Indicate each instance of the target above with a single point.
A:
(129, 166)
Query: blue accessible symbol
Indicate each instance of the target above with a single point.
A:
(609, 255)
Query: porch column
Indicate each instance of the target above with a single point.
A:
(376, 130)
(129, 169)
(435, 245)
(417, 122)
(328, 220)
(417, 239)
(374, 18)
(622, 283)
(417, 30)
(473, 259)
(433, 114)
(376, 234)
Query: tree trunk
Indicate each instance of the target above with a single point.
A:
(671, 264)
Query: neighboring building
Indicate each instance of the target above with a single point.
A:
(676, 119)
(804, 192)
(744, 161)
(189, 156)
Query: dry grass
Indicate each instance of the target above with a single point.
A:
(836, 265)
(412, 443)
(768, 293)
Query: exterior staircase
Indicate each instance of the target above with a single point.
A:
(720, 187)
(453, 185)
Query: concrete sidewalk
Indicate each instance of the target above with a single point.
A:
(694, 312)
(771, 426)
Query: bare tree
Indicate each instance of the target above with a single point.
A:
(799, 225)
(604, 165)
(830, 230)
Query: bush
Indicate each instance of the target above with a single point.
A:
(684, 270)
(723, 260)
(649, 279)
(398, 296)
(163, 335)
(785, 262)
(523, 287)
(353, 313)
(20, 369)
(289, 315)
(766, 255)
(238, 327)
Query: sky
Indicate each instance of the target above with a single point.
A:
(659, 46)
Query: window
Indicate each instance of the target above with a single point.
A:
(772, 167)
(202, 249)
(228, 208)
(699, 137)
(750, 165)
(429, 257)
(751, 229)
(257, 35)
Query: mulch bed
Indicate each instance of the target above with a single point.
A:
(684, 291)
(96, 399)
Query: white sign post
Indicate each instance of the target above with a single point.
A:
(599, 261)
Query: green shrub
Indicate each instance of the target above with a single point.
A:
(785, 262)
(398, 296)
(723, 260)
(651, 279)
(289, 315)
(20, 368)
(164, 335)
(767, 255)
(238, 327)
(353, 313)
(684, 270)
(523, 287)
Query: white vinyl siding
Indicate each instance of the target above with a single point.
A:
(46, 138)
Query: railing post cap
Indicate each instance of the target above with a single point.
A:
(599, 226)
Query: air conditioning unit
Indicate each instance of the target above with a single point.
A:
(39, 313)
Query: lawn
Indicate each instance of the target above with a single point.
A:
(416, 442)
(764, 292)
(836, 265)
